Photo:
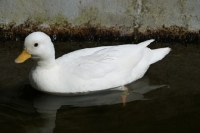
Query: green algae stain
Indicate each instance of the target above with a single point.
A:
(60, 19)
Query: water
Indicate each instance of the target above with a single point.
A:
(166, 99)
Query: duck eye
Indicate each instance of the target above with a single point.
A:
(36, 44)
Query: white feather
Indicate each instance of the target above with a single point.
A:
(90, 69)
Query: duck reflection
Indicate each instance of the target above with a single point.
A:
(29, 100)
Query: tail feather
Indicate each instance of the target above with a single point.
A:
(145, 43)
(159, 54)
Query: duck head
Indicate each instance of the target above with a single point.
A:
(37, 46)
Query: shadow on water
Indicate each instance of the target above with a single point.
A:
(27, 101)
(166, 100)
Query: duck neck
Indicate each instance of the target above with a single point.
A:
(47, 63)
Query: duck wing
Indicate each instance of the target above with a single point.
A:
(99, 62)
(96, 65)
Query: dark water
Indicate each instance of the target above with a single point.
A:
(166, 99)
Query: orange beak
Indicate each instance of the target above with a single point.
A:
(22, 57)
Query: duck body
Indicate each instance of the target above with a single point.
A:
(89, 69)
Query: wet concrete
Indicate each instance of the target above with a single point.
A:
(171, 108)
(114, 20)
(88, 32)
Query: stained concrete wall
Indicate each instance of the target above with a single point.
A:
(126, 15)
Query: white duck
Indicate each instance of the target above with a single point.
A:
(89, 69)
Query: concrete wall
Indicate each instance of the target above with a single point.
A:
(124, 15)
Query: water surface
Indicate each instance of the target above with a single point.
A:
(166, 99)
